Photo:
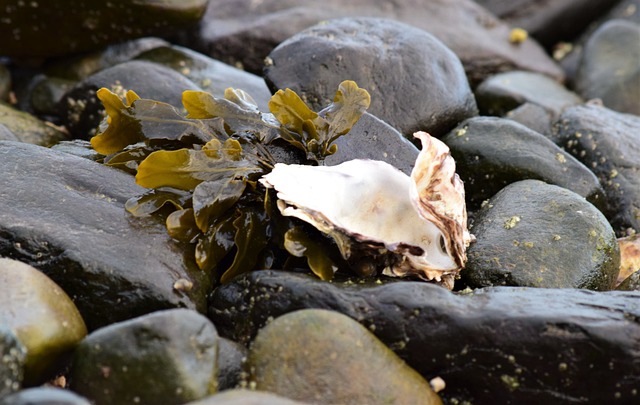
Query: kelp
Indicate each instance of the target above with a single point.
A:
(201, 164)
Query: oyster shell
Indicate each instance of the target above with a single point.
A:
(408, 225)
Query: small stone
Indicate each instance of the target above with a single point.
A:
(12, 361)
(44, 396)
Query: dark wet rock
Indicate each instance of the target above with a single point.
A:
(167, 357)
(246, 397)
(548, 22)
(12, 359)
(82, 111)
(7, 135)
(332, 359)
(503, 92)
(534, 234)
(533, 117)
(242, 31)
(372, 138)
(5, 82)
(78, 147)
(44, 396)
(65, 216)
(41, 315)
(606, 142)
(609, 69)
(231, 357)
(631, 283)
(491, 153)
(54, 28)
(209, 74)
(44, 94)
(28, 128)
(496, 345)
(428, 89)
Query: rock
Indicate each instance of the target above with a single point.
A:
(44, 396)
(631, 283)
(609, 69)
(5, 82)
(533, 234)
(245, 397)
(428, 89)
(372, 138)
(42, 316)
(12, 359)
(78, 147)
(491, 153)
(548, 22)
(629, 256)
(606, 142)
(210, 75)
(167, 357)
(533, 117)
(231, 358)
(65, 215)
(44, 94)
(333, 359)
(28, 128)
(7, 135)
(46, 28)
(82, 111)
(505, 91)
(244, 32)
(497, 345)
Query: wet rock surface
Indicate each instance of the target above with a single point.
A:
(606, 141)
(427, 91)
(167, 357)
(12, 360)
(65, 216)
(333, 359)
(492, 153)
(231, 359)
(41, 315)
(495, 345)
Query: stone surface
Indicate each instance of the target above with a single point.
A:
(491, 153)
(533, 117)
(607, 142)
(209, 74)
(44, 396)
(246, 397)
(533, 234)
(548, 21)
(36, 28)
(631, 283)
(42, 316)
(28, 128)
(7, 135)
(372, 138)
(65, 216)
(629, 256)
(82, 111)
(167, 357)
(428, 89)
(496, 345)
(12, 358)
(333, 359)
(609, 69)
(242, 31)
(505, 91)
(231, 359)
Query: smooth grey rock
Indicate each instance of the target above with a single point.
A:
(372, 138)
(246, 397)
(607, 142)
(12, 359)
(7, 135)
(78, 147)
(167, 357)
(231, 359)
(332, 359)
(27, 128)
(505, 91)
(209, 74)
(497, 345)
(609, 69)
(416, 82)
(533, 117)
(82, 111)
(62, 27)
(41, 315)
(491, 153)
(244, 32)
(65, 215)
(533, 234)
(44, 396)
(549, 22)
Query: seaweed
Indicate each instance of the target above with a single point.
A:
(201, 165)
